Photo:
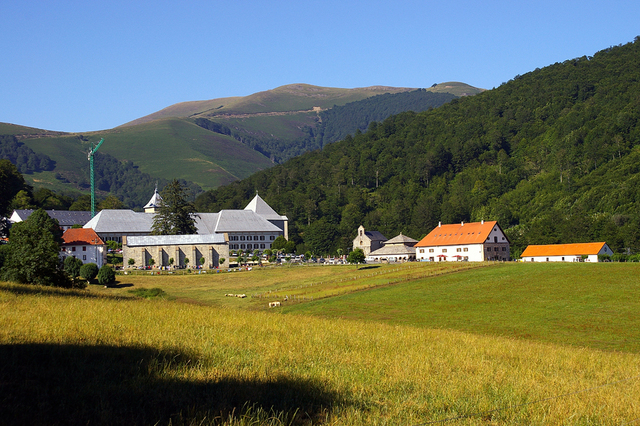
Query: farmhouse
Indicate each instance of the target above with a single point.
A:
(66, 219)
(475, 242)
(84, 244)
(399, 248)
(368, 241)
(580, 252)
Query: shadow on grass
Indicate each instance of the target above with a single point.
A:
(42, 384)
(368, 267)
(29, 289)
(118, 285)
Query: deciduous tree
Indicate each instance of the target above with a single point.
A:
(32, 252)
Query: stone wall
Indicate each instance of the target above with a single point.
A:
(162, 255)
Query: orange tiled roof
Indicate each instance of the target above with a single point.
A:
(81, 236)
(563, 249)
(459, 233)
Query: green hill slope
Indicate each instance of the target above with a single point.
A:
(552, 155)
(215, 142)
(170, 148)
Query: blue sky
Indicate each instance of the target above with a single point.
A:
(83, 66)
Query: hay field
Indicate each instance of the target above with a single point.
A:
(90, 357)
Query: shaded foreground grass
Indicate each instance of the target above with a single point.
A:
(103, 360)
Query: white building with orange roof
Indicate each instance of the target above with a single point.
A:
(474, 242)
(84, 244)
(579, 252)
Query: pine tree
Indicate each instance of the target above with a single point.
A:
(176, 215)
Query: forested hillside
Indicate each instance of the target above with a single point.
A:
(331, 124)
(553, 155)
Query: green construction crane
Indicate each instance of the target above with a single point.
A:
(93, 188)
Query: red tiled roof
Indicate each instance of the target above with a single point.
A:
(81, 236)
(563, 249)
(459, 233)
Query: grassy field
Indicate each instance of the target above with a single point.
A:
(427, 346)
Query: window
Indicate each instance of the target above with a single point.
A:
(272, 237)
(458, 250)
(261, 237)
(73, 249)
(421, 250)
(466, 249)
(430, 250)
(495, 249)
(261, 246)
(242, 246)
(84, 248)
(488, 248)
(504, 249)
(444, 250)
(249, 247)
(84, 257)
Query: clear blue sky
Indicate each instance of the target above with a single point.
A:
(87, 65)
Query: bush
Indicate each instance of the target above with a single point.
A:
(106, 275)
(89, 271)
(356, 256)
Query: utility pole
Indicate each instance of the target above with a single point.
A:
(93, 189)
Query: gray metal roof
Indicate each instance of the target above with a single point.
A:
(401, 239)
(243, 221)
(206, 222)
(394, 250)
(128, 221)
(375, 236)
(168, 240)
(259, 206)
(64, 217)
(121, 221)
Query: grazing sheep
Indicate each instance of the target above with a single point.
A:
(274, 304)
(242, 296)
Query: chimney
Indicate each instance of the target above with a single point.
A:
(462, 223)
(482, 222)
(439, 224)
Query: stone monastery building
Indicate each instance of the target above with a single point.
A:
(254, 228)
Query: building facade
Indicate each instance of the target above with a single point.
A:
(368, 241)
(580, 252)
(175, 251)
(84, 244)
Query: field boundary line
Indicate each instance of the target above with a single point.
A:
(484, 413)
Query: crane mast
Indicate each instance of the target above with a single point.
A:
(93, 189)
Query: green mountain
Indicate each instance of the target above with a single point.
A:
(204, 143)
(553, 155)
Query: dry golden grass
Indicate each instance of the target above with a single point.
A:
(341, 372)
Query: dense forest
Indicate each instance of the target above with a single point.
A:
(334, 124)
(553, 155)
(24, 158)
